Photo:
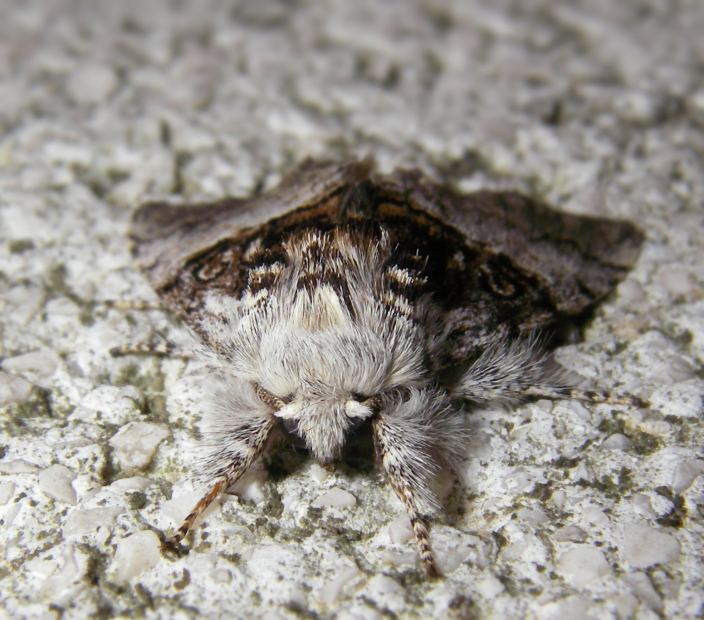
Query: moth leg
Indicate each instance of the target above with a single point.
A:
(589, 396)
(252, 440)
(509, 370)
(131, 304)
(157, 348)
(199, 509)
(514, 370)
(162, 348)
(394, 451)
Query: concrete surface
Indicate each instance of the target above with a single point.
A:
(567, 511)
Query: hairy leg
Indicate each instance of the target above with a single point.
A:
(513, 370)
(229, 467)
(417, 432)
(391, 447)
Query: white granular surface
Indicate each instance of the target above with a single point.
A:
(565, 511)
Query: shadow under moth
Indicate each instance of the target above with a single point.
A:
(345, 298)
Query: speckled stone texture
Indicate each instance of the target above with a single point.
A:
(564, 511)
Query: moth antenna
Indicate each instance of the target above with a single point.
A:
(403, 480)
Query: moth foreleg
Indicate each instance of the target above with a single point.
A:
(228, 468)
(199, 509)
(399, 458)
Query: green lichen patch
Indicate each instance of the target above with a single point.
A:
(137, 500)
(643, 443)
(541, 491)
(613, 487)
(462, 607)
(183, 581)
(20, 246)
(677, 515)
(17, 419)
(149, 380)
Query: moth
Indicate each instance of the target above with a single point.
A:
(345, 299)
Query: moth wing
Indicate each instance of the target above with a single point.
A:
(578, 259)
(166, 236)
(566, 262)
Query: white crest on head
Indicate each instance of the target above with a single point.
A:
(355, 409)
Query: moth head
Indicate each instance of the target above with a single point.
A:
(323, 424)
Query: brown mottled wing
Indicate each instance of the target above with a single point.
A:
(185, 250)
(525, 266)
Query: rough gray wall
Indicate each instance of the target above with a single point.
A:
(567, 511)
